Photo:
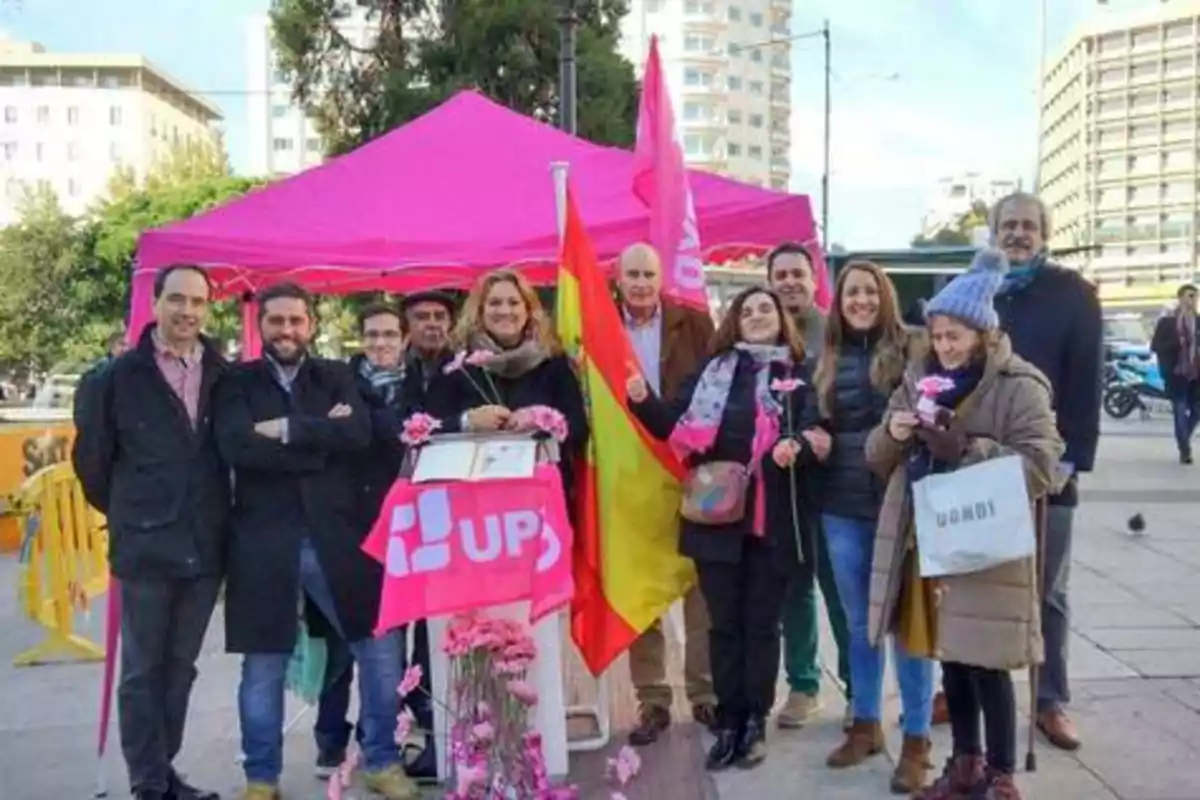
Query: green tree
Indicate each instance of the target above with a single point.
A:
(43, 318)
(189, 180)
(428, 49)
(960, 233)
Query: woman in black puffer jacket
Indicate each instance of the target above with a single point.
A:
(737, 411)
(866, 351)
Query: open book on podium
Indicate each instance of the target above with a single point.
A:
(479, 457)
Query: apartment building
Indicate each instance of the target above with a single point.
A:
(283, 139)
(1119, 150)
(728, 68)
(955, 195)
(70, 119)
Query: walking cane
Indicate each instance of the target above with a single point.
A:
(1035, 668)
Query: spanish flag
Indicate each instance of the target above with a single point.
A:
(627, 568)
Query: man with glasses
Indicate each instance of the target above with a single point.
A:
(1178, 351)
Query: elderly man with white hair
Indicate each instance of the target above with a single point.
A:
(670, 342)
(1052, 315)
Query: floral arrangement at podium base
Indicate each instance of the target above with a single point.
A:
(495, 754)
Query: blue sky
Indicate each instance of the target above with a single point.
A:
(962, 98)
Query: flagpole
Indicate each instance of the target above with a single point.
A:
(560, 170)
(601, 712)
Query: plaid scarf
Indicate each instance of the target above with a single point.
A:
(385, 380)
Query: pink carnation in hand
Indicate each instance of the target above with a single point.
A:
(418, 429)
(933, 385)
(412, 679)
(545, 419)
(786, 385)
(479, 358)
(455, 364)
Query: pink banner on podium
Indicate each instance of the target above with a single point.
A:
(448, 547)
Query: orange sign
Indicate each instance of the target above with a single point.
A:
(25, 449)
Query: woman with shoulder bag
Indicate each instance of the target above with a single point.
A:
(970, 399)
(866, 349)
(732, 426)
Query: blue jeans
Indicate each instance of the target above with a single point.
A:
(851, 544)
(261, 701)
(1185, 402)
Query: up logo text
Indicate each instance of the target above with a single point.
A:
(501, 535)
(966, 512)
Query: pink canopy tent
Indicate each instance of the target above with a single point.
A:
(462, 189)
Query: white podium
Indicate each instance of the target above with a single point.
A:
(549, 717)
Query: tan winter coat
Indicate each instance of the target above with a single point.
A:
(991, 618)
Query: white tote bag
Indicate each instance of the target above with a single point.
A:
(974, 518)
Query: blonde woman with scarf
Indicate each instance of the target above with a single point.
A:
(509, 360)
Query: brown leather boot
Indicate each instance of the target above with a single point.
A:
(912, 770)
(863, 740)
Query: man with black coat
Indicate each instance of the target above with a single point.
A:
(293, 426)
(1176, 345)
(1052, 315)
(147, 458)
(394, 377)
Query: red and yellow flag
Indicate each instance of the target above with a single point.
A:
(627, 568)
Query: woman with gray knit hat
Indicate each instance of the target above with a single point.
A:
(989, 403)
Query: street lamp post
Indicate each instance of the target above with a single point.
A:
(828, 119)
(568, 21)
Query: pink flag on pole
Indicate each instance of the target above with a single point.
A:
(660, 181)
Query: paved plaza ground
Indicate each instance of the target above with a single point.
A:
(1135, 662)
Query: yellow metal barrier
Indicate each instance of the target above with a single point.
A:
(64, 557)
(25, 449)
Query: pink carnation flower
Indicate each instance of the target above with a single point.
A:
(626, 766)
(933, 385)
(479, 358)
(470, 778)
(523, 691)
(456, 363)
(545, 419)
(412, 679)
(483, 733)
(418, 429)
(404, 726)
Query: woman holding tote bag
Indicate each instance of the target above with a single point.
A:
(968, 400)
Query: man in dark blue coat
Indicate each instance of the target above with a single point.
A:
(1052, 315)
(294, 427)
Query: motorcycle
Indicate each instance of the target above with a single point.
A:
(1136, 384)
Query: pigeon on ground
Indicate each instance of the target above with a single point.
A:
(1136, 525)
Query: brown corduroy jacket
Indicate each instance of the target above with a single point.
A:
(686, 336)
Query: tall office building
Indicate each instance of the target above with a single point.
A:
(1118, 150)
(729, 70)
(283, 140)
(71, 119)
